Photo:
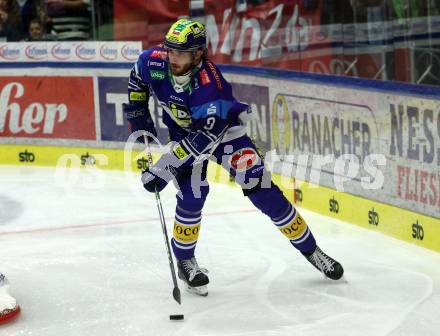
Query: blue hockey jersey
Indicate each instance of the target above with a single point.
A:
(198, 115)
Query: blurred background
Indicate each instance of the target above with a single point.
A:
(395, 40)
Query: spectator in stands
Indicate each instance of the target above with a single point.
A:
(10, 21)
(35, 10)
(35, 31)
(71, 19)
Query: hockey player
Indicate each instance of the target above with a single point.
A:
(206, 121)
(9, 309)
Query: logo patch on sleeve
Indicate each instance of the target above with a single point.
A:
(216, 75)
(180, 152)
(137, 96)
(244, 159)
(204, 77)
(158, 54)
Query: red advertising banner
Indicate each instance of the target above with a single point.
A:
(273, 33)
(301, 35)
(47, 107)
(146, 20)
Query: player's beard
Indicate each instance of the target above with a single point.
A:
(182, 70)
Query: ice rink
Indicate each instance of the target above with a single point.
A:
(84, 253)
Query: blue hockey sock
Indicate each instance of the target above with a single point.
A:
(185, 233)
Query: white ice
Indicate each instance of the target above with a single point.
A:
(85, 255)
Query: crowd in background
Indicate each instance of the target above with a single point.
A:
(36, 20)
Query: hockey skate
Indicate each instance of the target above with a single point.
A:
(195, 278)
(325, 264)
(9, 309)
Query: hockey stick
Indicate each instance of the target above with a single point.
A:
(176, 290)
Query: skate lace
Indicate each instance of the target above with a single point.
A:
(193, 268)
(323, 261)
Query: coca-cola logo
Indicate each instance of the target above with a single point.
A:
(109, 53)
(60, 52)
(35, 52)
(85, 53)
(243, 159)
(129, 52)
(9, 53)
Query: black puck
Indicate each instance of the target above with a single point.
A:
(176, 317)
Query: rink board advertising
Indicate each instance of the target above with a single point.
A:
(71, 52)
(359, 154)
(47, 107)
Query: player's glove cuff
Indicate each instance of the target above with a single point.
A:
(160, 174)
(139, 119)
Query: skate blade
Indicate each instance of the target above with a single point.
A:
(201, 291)
(340, 280)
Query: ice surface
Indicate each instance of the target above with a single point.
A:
(85, 255)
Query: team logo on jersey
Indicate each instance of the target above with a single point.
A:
(155, 74)
(180, 114)
(204, 77)
(244, 159)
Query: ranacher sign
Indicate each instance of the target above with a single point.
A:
(380, 146)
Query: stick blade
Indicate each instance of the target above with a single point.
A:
(176, 294)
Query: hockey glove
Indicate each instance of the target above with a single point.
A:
(163, 171)
(139, 119)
